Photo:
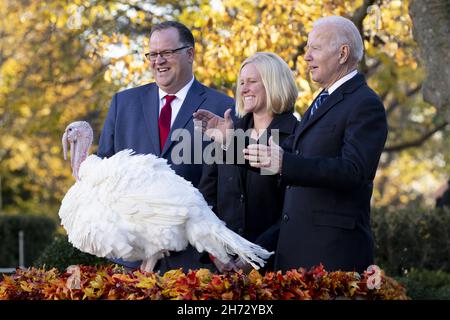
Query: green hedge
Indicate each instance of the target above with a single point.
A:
(38, 233)
(425, 284)
(60, 254)
(412, 239)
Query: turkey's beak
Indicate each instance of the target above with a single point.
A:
(64, 144)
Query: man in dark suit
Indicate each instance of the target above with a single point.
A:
(147, 119)
(336, 150)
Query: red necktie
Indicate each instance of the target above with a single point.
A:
(164, 120)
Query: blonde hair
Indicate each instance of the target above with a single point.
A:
(278, 80)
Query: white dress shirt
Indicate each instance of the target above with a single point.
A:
(177, 102)
(341, 81)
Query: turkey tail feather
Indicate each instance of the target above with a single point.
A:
(213, 236)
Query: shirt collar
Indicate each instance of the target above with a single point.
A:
(341, 81)
(181, 94)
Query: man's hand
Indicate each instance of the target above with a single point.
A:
(265, 157)
(223, 267)
(242, 265)
(217, 128)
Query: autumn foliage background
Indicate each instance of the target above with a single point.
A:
(62, 61)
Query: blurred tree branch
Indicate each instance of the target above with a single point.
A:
(416, 142)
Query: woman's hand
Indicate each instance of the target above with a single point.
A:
(217, 128)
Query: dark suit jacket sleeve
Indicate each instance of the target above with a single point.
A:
(106, 144)
(362, 144)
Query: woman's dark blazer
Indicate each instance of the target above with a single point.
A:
(249, 203)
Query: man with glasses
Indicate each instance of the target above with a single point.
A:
(144, 118)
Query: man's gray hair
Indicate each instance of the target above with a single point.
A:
(346, 33)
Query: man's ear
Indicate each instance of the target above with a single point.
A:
(344, 53)
(191, 53)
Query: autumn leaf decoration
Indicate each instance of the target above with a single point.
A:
(113, 282)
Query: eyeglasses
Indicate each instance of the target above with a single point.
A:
(166, 54)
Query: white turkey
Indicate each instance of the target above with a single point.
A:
(135, 207)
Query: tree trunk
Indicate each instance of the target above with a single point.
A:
(431, 30)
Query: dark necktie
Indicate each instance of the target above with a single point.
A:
(320, 99)
(164, 120)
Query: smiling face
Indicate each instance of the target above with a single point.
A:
(252, 90)
(324, 60)
(173, 73)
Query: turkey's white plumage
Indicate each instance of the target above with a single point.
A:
(135, 207)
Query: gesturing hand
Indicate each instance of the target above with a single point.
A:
(215, 127)
(265, 157)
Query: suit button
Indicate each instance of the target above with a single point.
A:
(241, 231)
(241, 198)
(288, 187)
(297, 152)
(285, 217)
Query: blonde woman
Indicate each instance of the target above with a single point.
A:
(250, 203)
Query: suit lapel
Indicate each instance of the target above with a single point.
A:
(284, 123)
(329, 103)
(336, 97)
(150, 109)
(194, 99)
